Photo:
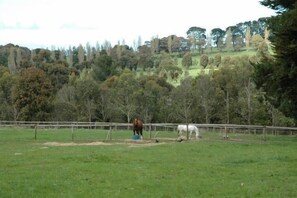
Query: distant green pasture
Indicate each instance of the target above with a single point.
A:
(196, 69)
(243, 166)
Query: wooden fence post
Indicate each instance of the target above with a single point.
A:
(187, 131)
(110, 130)
(35, 136)
(264, 133)
(150, 130)
(72, 134)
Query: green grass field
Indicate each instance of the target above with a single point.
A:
(243, 166)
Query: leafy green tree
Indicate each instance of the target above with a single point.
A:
(87, 95)
(204, 60)
(278, 76)
(41, 56)
(163, 45)
(128, 60)
(238, 43)
(148, 99)
(103, 67)
(64, 105)
(187, 60)
(145, 57)
(226, 61)
(216, 35)
(168, 67)
(116, 53)
(7, 81)
(259, 26)
(58, 73)
(197, 37)
(246, 90)
(204, 92)
(224, 80)
(243, 27)
(104, 106)
(32, 95)
(256, 41)
(155, 45)
(217, 60)
(124, 92)
(123, 57)
(182, 101)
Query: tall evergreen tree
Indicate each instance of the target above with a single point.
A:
(278, 76)
(81, 54)
(11, 61)
(247, 37)
(229, 39)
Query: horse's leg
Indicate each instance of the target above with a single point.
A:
(197, 133)
(179, 133)
(140, 131)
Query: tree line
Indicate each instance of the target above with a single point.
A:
(50, 90)
(105, 83)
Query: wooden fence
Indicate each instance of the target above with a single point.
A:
(222, 128)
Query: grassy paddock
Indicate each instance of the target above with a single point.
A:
(243, 166)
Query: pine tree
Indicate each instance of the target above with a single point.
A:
(19, 57)
(81, 54)
(170, 41)
(70, 57)
(11, 61)
(277, 77)
(62, 55)
(229, 39)
(247, 37)
(89, 52)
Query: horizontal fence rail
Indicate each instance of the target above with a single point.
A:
(168, 126)
(153, 131)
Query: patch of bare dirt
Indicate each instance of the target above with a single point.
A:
(75, 143)
(130, 143)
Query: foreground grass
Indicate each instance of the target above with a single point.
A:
(210, 167)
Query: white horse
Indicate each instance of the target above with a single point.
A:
(190, 128)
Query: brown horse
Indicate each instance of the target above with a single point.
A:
(137, 127)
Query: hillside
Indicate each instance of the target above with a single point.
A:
(195, 69)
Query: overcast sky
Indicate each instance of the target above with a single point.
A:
(64, 23)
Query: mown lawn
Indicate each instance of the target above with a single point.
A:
(209, 167)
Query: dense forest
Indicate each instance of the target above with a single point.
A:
(239, 77)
